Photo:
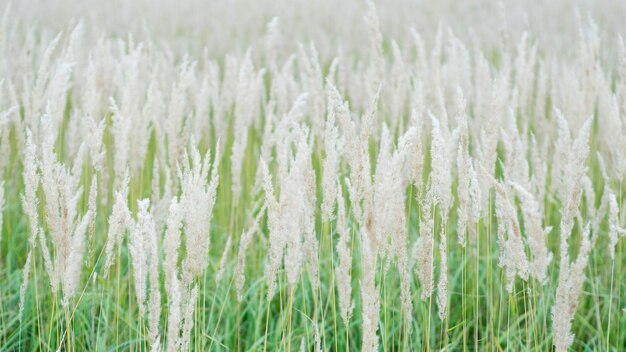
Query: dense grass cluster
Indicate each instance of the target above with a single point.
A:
(426, 190)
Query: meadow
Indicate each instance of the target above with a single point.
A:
(290, 176)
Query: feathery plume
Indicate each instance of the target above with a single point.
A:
(71, 277)
(62, 192)
(344, 282)
(140, 235)
(154, 313)
(29, 205)
(174, 318)
(119, 223)
(463, 164)
(246, 110)
(423, 250)
(197, 200)
(276, 235)
(571, 276)
(571, 280)
(370, 297)
(332, 147)
(188, 308)
(536, 234)
(614, 228)
(441, 179)
(512, 254)
(171, 243)
(442, 283)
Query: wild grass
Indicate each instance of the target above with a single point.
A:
(414, 195)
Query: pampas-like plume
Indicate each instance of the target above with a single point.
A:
(154, 309)
(417, 155)
(512, 255)
(276, 234)
(357, 152)
(344, 282)
(188, 308)
(175, 318)
(536, 234)
(475, 196)
(571, 280)
(93, 208)
(389, 220)
(423, 250)
(291, 215)
(614, 228)
(332, 147)
(440, 177)
(197, 201)
(94, 142)
(370, 297)
(181, 295)
(463, 164)
(119, 223)
(120, 129)
(171, 243)
(144, 255)
(374, 73)
(62, 192)
(468, 189)
(160, 203)
(29, 205)
(138, 248)
(441, 192)
(561, 154)
(571, 276)
(442, 284)
(246, 110)
(77, 248)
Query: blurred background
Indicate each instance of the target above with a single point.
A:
(334, 26)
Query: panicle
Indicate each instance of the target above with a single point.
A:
(344, 281)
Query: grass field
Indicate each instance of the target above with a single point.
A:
(374, 185)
